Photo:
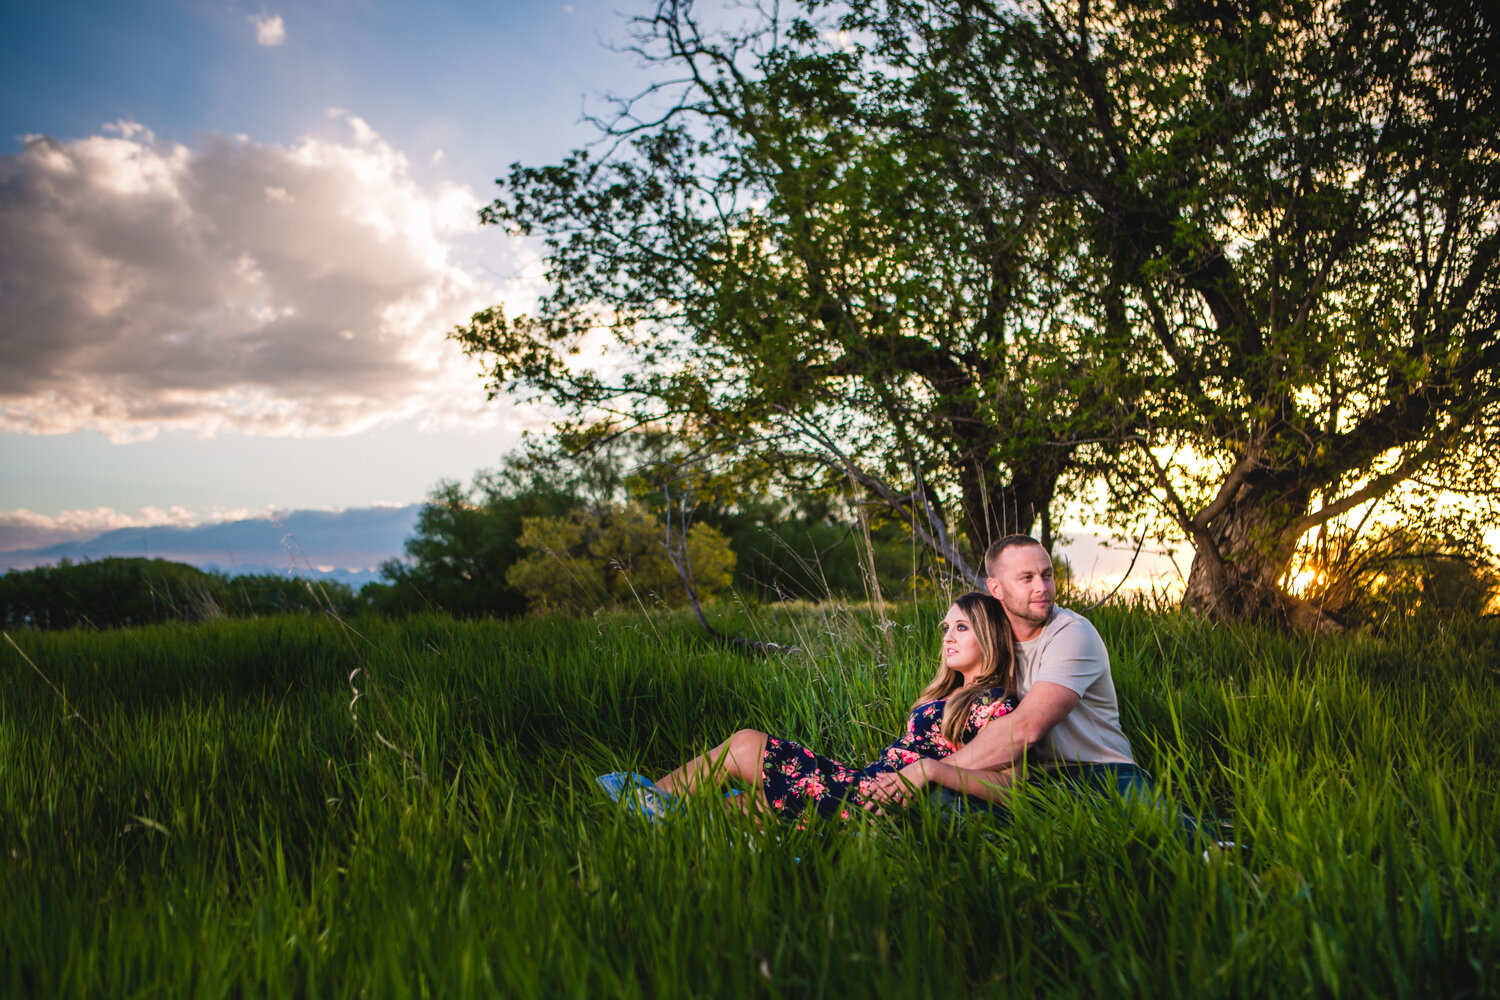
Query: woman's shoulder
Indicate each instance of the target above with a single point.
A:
(991, 703)
(990, 695)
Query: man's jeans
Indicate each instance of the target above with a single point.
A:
(1128, 781)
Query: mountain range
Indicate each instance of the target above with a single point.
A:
(344, 545)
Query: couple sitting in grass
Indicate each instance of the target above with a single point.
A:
(1019, 677)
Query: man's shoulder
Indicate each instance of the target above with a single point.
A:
(1067, 620)
(1069, 635)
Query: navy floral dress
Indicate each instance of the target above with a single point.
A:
(793, 776)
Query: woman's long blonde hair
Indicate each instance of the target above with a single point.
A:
(996, 641)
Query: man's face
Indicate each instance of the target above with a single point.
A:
(1021, 580)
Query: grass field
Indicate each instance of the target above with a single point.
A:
(207, 815)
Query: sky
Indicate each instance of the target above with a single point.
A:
(233, 237)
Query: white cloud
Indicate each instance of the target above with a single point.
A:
(270, 29)
(236, 286)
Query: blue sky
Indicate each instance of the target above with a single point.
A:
(169, 358)
(485, 82)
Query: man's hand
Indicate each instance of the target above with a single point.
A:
(897, 789)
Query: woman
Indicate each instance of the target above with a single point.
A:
(971, 688)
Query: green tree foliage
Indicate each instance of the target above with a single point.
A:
(271, 594)
(468, 539)
(465, 542)
(600, 557)
(1285, 219)
(1236, 261)
(114, 592)
(467, 551)
(802, 285)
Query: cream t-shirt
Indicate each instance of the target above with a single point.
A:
(1069, 652)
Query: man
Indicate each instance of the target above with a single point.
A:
(1068, 721)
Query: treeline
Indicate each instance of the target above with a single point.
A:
(536, 534)
(113, 592)
(554, 530)
(540, 533)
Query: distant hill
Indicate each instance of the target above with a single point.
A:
(345, 545)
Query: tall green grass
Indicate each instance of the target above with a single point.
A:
(215, 818)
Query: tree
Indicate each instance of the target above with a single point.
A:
(1292, 208)
(1235, 260)
(798, 288)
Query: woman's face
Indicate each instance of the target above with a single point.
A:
(961, 649)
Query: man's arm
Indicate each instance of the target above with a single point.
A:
(1005, 740)
(981, 766)
(901, 787)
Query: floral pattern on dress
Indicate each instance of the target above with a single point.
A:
(793, 777)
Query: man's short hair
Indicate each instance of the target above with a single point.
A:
(1008, 542)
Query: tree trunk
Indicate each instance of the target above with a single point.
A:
(991, 514)
(1242, 553)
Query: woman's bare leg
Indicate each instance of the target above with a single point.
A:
(737, 757)
(753, 804)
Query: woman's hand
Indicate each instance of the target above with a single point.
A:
(897, 789)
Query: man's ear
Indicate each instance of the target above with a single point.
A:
(993, 586)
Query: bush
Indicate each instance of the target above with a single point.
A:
(605, 556)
